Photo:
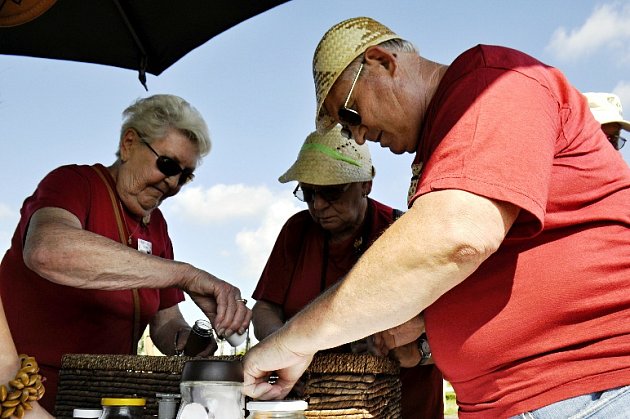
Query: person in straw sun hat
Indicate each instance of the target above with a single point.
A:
(318, 246)
(509, 178)
(607, 110)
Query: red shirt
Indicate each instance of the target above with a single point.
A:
(48, 320)
(547, 317)
(292, 278)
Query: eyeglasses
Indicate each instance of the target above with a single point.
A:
(327, 193)
(617, 141)
(349, 117)
(170, 167)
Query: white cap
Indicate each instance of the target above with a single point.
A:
(278, 406)
(606, 108)
(86, 413)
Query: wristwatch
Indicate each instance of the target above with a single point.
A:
(424, 349)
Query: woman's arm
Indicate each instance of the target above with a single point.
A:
(266, 318)
(57, 248)
(10, 364)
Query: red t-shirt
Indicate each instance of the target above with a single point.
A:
(48, 320)
(547, 317)
(292, 278)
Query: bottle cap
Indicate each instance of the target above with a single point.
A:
(132, 401)
(278, 406)
(86, 413)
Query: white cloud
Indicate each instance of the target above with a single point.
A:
(8, 221)
(608, 27)
(255, 245)
(221, 202)
(622, 89)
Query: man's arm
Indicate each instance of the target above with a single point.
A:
(437, 244)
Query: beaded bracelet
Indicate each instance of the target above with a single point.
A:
(26, 387)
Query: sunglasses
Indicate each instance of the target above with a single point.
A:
(617, 141)
(170, 167)
(349, 117)
(327, 193)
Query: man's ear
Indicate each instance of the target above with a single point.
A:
(381, 56)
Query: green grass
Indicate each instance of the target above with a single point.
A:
(450, 406)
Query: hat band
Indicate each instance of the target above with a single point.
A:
(330, 152)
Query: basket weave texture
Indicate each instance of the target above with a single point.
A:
(352, 386)
(85, 379)
(338, 386)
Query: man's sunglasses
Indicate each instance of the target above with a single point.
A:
(617, 141)
(327, 193)
(347, 116)
(170, 167)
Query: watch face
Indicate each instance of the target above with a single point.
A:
(425, 347)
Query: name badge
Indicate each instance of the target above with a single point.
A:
(145, 246)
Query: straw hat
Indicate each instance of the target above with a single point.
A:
(330, 159)
(339, 46)
(606, 108)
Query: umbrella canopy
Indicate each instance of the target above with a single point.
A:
(143, 35)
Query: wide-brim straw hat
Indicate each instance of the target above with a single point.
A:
(606, 108)
(339, 47)
(330, 159)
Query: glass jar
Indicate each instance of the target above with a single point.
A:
(285, 409)
(212, 389)
(122, 408)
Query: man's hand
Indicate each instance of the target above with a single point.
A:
(267, 357)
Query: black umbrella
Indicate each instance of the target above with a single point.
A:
(143, 35)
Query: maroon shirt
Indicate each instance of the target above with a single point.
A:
(48, 320)
(292, 278)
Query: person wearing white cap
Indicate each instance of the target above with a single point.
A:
(607, 110)
(318, 246)
(517, 239)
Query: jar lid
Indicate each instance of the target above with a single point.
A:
(277, 406)
(213, 370)
(86, 413)
(132, 401)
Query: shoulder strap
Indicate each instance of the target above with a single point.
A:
(123, 233)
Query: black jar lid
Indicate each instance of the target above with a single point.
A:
(213, 370)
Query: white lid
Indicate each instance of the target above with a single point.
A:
(86, 413)
(277, 406)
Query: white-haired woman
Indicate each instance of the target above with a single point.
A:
(91, 263)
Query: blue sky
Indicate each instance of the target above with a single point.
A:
(254, 86)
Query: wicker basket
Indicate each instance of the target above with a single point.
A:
(352, 386)
(85, 379)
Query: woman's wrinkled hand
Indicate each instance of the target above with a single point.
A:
(220, 301)
(407, 355)
(400, 335)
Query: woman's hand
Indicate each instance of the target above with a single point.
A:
(221, 303)
(399, 336)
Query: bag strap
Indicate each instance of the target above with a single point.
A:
(124, 234)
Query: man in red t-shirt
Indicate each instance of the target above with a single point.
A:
(517, 240)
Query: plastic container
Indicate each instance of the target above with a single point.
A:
(212, 389)
(167, 405)
(285, 409)
(122, 408)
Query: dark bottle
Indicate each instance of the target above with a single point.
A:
(200, 337)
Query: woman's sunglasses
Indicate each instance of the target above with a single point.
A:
(170, 167)
(327, 193)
